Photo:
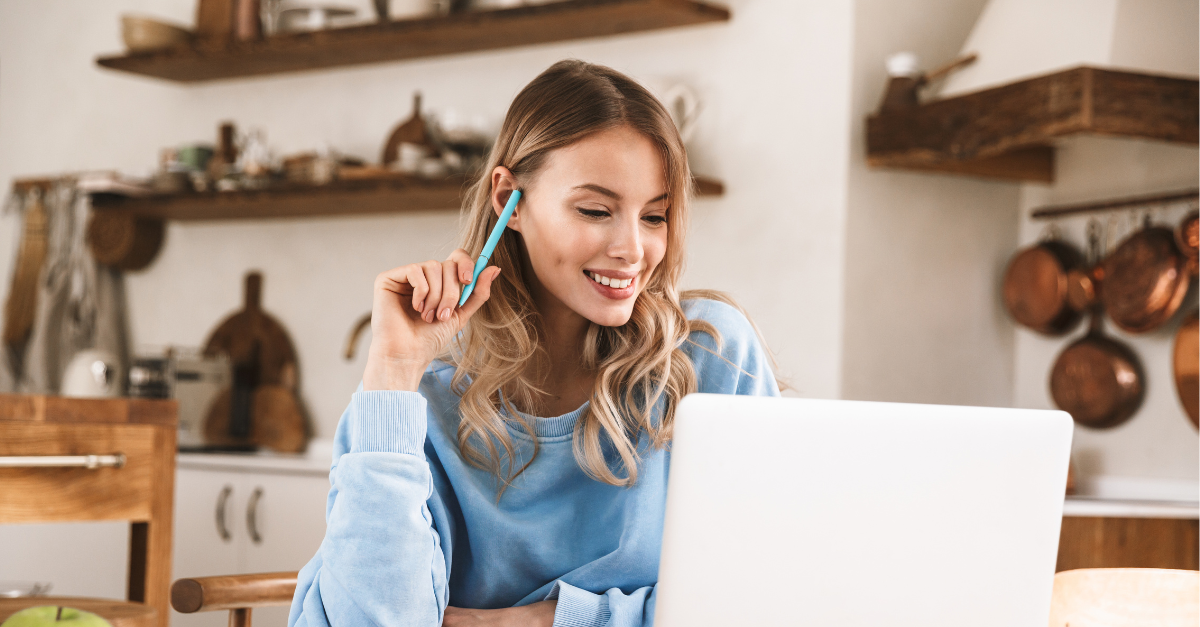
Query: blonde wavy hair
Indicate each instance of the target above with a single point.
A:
(637, 364)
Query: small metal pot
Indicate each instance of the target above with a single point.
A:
(1036, 286)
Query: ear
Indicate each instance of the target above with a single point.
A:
(503, 184)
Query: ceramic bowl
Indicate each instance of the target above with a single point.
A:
(142, 34)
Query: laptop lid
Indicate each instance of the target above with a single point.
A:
(786, 511)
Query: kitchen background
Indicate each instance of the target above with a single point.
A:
(892, 288)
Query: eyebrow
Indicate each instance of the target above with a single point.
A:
(592, 187)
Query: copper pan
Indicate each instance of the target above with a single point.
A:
(1145, 280)
(1035, 287)
(1187, 238)
(1187, 367)
(1097, 379)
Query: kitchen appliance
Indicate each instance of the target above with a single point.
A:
(92, 374)
(192, 379)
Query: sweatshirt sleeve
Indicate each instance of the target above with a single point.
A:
(580, 608)
(382, 560)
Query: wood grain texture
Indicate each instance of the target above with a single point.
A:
(1004, 132)
(117, 613)
(398, 194)
(468, 31)
(203, 594)
(1091, 542)
(142, 491)
(58, 409)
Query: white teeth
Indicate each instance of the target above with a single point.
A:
(614, 283)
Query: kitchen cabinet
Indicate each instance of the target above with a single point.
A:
(1129, 534)
(238, 514)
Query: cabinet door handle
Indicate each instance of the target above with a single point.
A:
(252, 515)
(222, 500)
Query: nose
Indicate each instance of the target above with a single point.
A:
(626, 241)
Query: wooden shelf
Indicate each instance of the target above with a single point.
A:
(410, 39)
(1008, 132)
(340, 198)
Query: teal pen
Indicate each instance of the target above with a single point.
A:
(490, 246)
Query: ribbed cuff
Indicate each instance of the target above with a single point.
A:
(578, 608)
(387, 421)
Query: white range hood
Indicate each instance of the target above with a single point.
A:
(1020, 39)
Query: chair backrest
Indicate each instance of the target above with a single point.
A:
(72, 460)
(1126, 597)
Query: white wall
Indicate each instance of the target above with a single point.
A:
(923, 322)
(1155, 453)
(775, 85)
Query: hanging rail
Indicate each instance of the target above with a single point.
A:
(1054, 211)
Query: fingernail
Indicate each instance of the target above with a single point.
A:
(420, 307)
(444, 314)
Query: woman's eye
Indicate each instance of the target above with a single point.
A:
(656, 220)
(593, 213)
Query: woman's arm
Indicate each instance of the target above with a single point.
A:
(382, 561)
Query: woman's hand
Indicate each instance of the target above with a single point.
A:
(540, 614)
(415, 315)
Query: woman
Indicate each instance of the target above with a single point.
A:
(449, 489)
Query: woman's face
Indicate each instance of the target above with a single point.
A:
(594, 224)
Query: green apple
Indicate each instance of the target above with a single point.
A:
(54, 616)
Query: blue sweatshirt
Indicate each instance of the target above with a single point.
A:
(413, 528)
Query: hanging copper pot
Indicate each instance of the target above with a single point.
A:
(1187, 367)
(1097, 379)
(1035, 287)
(1145, 280)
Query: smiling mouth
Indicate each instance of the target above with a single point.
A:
(617, 284)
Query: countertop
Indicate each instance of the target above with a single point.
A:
(316, 460)
(1128, 508)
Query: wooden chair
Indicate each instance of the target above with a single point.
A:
(72, 460)
(1125, 597)
(237, 593)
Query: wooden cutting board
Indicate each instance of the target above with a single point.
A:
(261, 407)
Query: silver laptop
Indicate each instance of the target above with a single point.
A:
(841, 513)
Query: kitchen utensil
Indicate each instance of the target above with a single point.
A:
(194, 157)
(1145, 280)
(21, 306)
(92, 374)
(123, 240)
(1035, 286)
(304, 18)
(214, 21)
(1187, 367)
(1097, 379)
(1083, 284)
(1187, 238)
(413, 132)
(247, 25)
(261, 354)
(684, 106)
(144, 34)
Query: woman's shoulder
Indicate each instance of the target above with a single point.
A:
(726, 319)
(725, 350)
